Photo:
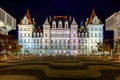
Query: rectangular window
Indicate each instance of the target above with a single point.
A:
(74, 47)
(45, 46)
(91, 29)
(28, 40)
(40, 40)
(45, 34)
(91, 34)
(91, 46)
(20, 40)
(20, 34)
(40, 46)
(60, 41)
(24, 34)
(91, 40)
(28, 29)
(51, 47)
(99, 40)
(24, 40)
(60, 47)
(28, 34)
(24, 29)
(56, 41)
(37, 46)
(95, 34)
(68, 47)
(74, 41)
(20, 29)
(34, 41)
(68, 41)
(45, 40)
(51, 41)
(86, 41)
(64, 41)
(95, 40)
(99, 34)
(82, 41)
(79, 40)
(79, 46)
(85, 46)
(37, 40)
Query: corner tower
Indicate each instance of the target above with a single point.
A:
(95, 29)
(25, 29)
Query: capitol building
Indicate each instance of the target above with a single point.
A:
(60, 35)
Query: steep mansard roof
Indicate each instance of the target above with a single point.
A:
(93, 15)
(27, 15)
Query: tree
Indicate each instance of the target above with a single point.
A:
(105, 46)
(117, 45)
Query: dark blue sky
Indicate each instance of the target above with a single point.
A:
(80, 9)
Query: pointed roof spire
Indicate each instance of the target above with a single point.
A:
(21, 21)
(46, 22)
(28, 17)
(92, 16)
(100, 21)
(73, 22)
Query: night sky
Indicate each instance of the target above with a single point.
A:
(80, 9)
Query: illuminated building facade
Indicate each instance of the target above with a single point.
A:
(60, 35)
(7, 22)
(113, 24)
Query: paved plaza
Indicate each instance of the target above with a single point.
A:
(60, 68)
